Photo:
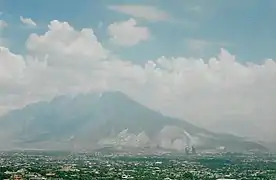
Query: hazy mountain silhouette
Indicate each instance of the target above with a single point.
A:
(108, 119)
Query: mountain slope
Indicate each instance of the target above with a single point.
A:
(108, 119)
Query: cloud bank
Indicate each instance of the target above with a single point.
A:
(64, 60)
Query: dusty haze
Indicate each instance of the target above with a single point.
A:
(63, 58)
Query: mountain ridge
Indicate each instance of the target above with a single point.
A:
(110, 118)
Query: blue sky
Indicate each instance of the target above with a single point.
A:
(247, 29)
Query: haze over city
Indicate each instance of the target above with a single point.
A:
(137, 89)
(210, 64)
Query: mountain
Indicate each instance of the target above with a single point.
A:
(94, 120)
(239, 127)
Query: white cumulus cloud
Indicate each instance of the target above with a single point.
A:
(64, 60)
(127, 33)
(27, 21)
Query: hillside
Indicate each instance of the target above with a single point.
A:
(109, 119)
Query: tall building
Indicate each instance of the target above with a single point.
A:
(193, 150)
(187, 151)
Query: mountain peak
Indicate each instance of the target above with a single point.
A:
(109, 117)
